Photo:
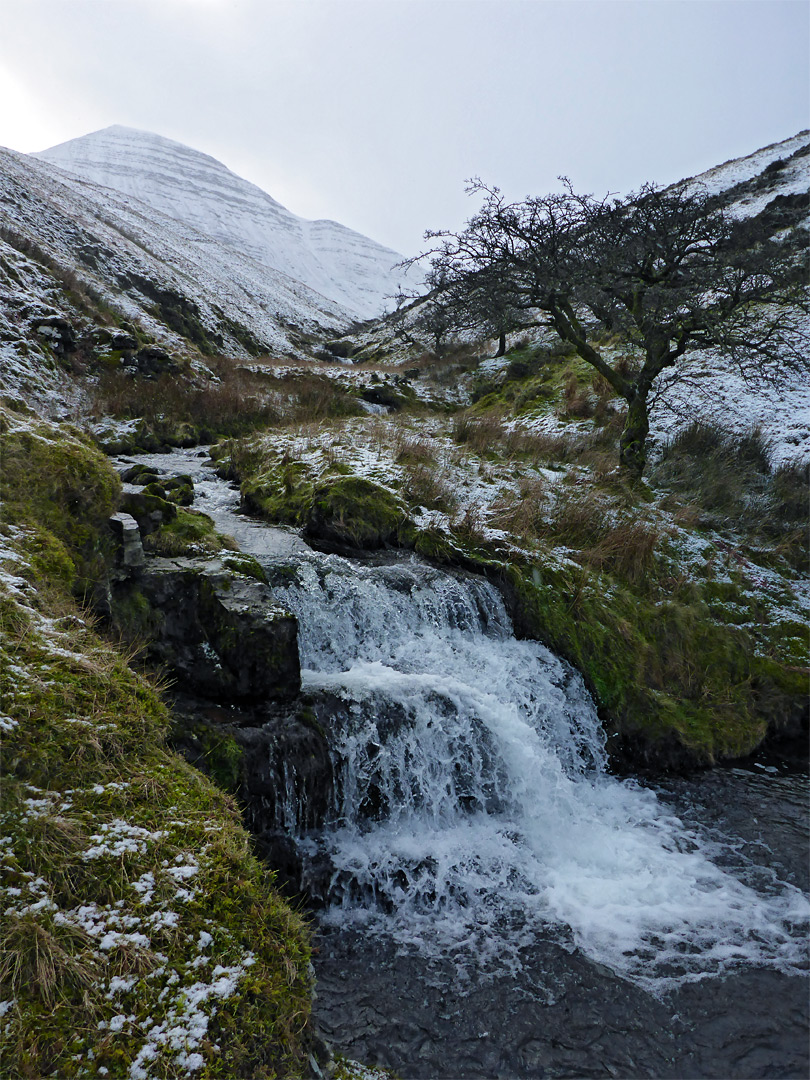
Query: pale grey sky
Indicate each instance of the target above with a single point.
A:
(374, 112)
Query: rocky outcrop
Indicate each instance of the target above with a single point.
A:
(231, 654)
(216, 633)
(130, 555)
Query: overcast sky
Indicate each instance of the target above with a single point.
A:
(374, 112)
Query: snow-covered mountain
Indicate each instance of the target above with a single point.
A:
(76, 257)
(342, 265)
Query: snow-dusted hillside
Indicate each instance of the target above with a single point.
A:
(70, 248)
(782, 168)
(348, 268)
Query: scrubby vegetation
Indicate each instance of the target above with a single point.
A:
(673, 597)
(140, 936)
(228, 398)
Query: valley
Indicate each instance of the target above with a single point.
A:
(300, 606)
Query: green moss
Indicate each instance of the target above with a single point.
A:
(359, 513)
(133, 614)
(247, 565)
(109, 833)
(662, 671)
(435, 544)
(282, 491)
(59, 484)
(220, 753)
(190, 532)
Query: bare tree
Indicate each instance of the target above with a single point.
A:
(671, 273)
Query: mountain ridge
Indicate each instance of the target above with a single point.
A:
(195, 188)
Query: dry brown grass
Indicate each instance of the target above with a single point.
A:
(469, 527)
(577, 400)
(522, 514)
(241, 399)
(410, 449)
(623, 545)
(484, 434)
(428, 486)
(492, 433)
(48, 960)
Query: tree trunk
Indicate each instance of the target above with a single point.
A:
(633, 441)
(501, 344)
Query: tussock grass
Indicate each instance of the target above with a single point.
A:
(185, 410)
(126, 880)
(524, 514)
(621, 544)
(729, 479)
(428, 486)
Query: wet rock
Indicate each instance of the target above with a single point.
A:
(217, 633)
(279, 767)
(130, 554)
(180, 489)
(139, 474)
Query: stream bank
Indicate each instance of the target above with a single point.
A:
(451, 913)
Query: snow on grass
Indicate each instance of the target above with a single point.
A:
(132, 912)
(721, 397)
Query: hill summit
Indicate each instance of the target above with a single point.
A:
(185, 184)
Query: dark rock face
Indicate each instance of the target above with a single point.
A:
(218, 634)
(277, 763)
(58, 332)
(151, 361)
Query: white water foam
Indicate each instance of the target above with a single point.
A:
(474, 811)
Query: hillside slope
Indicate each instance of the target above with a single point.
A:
(73, 251)
(348, 268)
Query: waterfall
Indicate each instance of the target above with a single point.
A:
(473, 814)
(473, 809)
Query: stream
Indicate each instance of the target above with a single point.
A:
(495, 903)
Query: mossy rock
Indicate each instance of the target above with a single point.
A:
(357, 513)
(149, 509)
(140, 474)
(186, 532)
(675, 688)
(180, 489)
(247, 565)
(155, 487)
(282, 493)
(390, 398)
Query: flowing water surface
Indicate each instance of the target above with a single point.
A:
(496, 903)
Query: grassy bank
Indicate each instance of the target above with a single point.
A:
(140, 936)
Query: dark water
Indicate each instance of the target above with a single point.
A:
(561, 1014)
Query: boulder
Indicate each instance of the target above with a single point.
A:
(217, 633)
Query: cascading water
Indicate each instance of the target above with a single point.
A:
(473, 805)
(497, 903)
